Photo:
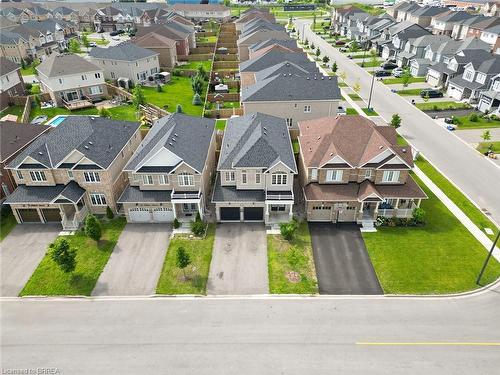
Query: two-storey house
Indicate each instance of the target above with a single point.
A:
(74, 169)
(352, 170)
(163, 46)
(181, 38)
(475, 78)
(283, 45)
(244, 42)
(492, 37)
(285, 68)
(295, 98)
(63, 13)
(126, 60)
(255, 171)
(71, 81)
(13, 46)
(253, 13)
(489, 100)
(14, 137)
(423, 15)
(203, 11)
(11, 82)
(415, 47)
(442, 24)
(400, 38)
(170, 173)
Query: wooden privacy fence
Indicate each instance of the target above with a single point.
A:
(197, 57)
(223, 97)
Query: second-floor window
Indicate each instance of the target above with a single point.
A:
(314, 174)
(163, 179)
(20, 175)
(279, 179)
(390, 176)
(229, 176)
(333, 175)
(70, 175)
(257, 178)
(97, 75)
(243, 177)
(289, 122)
(469, 75)
(368, 173)
(91, 177)
(186, 179)
(147, 179)
(38, 176)
(480, 78)
(307, 109)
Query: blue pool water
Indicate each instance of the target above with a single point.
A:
(57, 120)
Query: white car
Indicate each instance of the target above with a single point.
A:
(398, 72)
(341, 111)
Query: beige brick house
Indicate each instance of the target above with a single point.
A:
(72, 170)
(352, 170)
(169, 174)
(165, 47)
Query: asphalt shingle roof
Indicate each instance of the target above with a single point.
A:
(45, 194)
(287, 68)
(192, 140)
(122, 52)
(272, 58)
(132, 194)
(231, 194)
(65, 64)
(256, 140)
(99, 139)
(287, 88)
(9, 37)
(7, 66)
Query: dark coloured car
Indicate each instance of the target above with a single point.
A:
(114, 33)
(430, 93)
(339, 43)
(388, 65)
(382, 73)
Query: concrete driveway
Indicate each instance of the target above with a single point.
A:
(239, 260)
(21, 252)
(342, 262)
(136, 262)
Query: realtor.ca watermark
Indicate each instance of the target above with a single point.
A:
(31, 370)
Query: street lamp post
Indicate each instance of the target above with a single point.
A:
(488, 258)
(371, 90)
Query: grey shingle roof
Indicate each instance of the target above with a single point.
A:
(288, 69)
(288, 88)
(132, 194)
(45, 194)
(288, 43)
(493, 30)
(459, 81)
(192, 140)
(261, 26)
(256, 140)
(99, 139)
(122, 52)
(272, 58)
(429, 11)
(455, 16)
(9, 37)
(14, 136)
(63, 10)
(60, 65)
(231, 194)
(7, 66)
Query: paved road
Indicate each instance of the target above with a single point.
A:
(252, 336)
(21, 252)
(136, 262)
(239, 260)
(476, 176)
(342, 262)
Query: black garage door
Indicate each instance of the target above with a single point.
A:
(29, 215)
(253, 213)
(51, 214)
(230, 213)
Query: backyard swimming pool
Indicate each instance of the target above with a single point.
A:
(56, 120)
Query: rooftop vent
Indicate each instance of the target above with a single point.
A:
(404, 150)
(170, 143)
(40, 153)
(90, 143)
(380, 147)
(175, 135)
(86, 147)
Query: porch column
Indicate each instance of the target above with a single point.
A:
(290, 214)
(175, 212)
(397, 204)
(375, 211)
(200, 211)
(418, 202)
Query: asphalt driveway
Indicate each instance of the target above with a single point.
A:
(21, 252)
(239, 260)
(342, 262)
(136, 262)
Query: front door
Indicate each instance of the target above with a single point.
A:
(189, 207)
(72, 95)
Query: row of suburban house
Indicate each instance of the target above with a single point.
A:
(349, 170)
(455, 51)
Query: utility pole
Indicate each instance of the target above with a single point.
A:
(371, 90)
(487, 258)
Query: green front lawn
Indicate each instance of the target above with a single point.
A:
(463, 122)
(91, 258)
(99, 42)
(409, 92)
(392, 81)
(7, 223)
(440, 106)
(440, 257)
(369, 111)
(455, 195)
(370, 64)
(342, 84)
(200, 251)
(483, 147)
(351, 112)
(193, 65)
(177, 91)
(287, 260)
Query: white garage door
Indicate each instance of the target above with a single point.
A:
(163, 214)
(139, 214)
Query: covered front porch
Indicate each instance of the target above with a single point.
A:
(186, 204)
(278, 207)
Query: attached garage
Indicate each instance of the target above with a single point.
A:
(253, 213)
(139, 215)
(348, 214)
(51, 215)
(320, 213)
(163, 214)
(230, 214)
(29, 215)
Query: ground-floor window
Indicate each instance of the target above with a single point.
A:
(98, 199)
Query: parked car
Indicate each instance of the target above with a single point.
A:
(431, 93)
(341, 110)
(398, 72)
(382, 73)
(390, 61)
(388, 65)
(117, 38)
(92, 44)
(339, 43)
(343, 49)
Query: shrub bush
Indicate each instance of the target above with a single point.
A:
(176, 223)
(473, 117)
(198, 228)
(288, 230)
(109, 213)
(418, 215)
(93, 227)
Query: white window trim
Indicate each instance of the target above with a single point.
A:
(390, 176)
(307, 108)
(20, 175)
(244, 177)
(314, 174)
(230, 176)
(334, 175)
(164, 180)
(38, 176)
(92, 177)
(185, 179)
(279, 178)
(98, 199)
(147, 179)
